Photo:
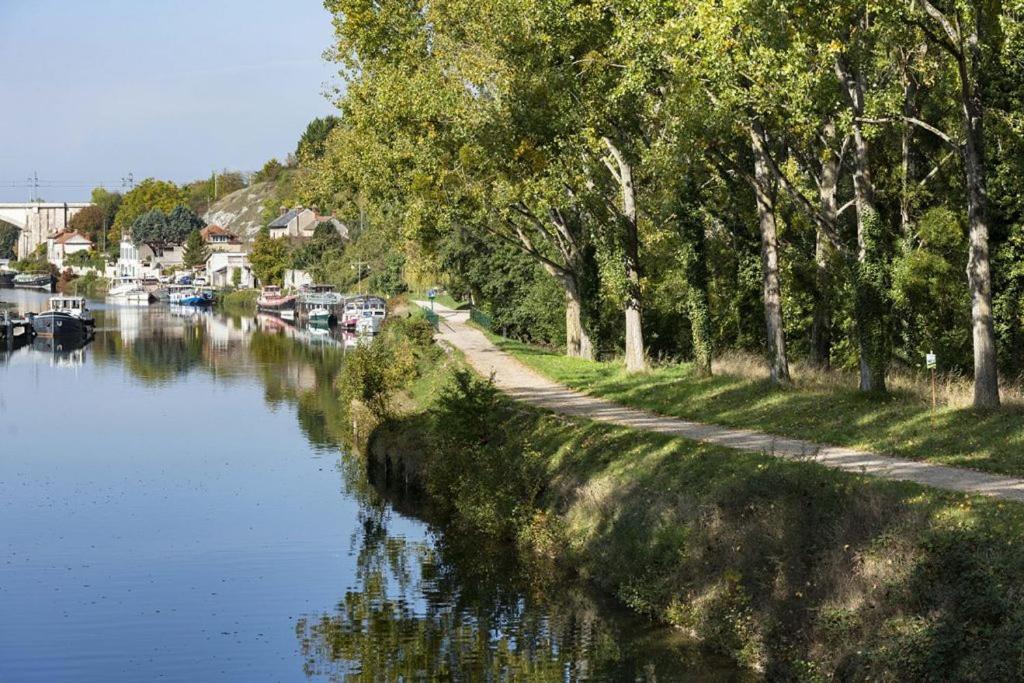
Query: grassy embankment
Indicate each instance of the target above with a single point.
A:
(241, 301)
(788, 567)
(821, 407)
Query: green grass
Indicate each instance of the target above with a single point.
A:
(790, 568)
(897, 424)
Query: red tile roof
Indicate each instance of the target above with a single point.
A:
(211, 230)
(64, 236)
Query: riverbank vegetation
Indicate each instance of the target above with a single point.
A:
(242, 301)
(787, 567)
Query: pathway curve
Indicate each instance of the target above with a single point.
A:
(524, 384)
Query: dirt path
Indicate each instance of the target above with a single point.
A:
(524, 384)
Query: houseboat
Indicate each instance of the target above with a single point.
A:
(355, 307)
(320, 304)
(68, 317)
(36, 281)
(273, 300)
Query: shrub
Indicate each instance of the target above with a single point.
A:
(479, 479)
(373, 373)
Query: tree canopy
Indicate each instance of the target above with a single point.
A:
(831, 182)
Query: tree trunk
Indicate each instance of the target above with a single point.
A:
(908, 165)
(966, 50)
(636, 357)
(979, 275)
(821, 325)
(821, 321)
(764, 192)
(870, 271)
(577, 342)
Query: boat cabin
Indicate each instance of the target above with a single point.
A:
(74, 305)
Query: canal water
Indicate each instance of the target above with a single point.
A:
(175, 504)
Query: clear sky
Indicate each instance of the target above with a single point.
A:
(91, 90)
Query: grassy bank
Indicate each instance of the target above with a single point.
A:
(239, 301)
(90, 285)
(825, 408)
(789, 568)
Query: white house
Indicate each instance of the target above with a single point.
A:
(294, 279)
(65, 243)
(139, 260)
(222, 265)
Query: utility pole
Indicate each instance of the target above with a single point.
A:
(34, 180)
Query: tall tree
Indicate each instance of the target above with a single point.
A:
(969, 33)
(196, 252)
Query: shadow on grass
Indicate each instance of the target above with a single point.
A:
(789, 566)
(895, 424)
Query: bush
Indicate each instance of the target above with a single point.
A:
(373, 373)
(480, 479)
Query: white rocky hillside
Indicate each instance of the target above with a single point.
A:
(240, 210)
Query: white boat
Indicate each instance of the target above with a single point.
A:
(369, 323)
(130, 292)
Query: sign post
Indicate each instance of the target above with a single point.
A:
(431, 294)
(929, 362)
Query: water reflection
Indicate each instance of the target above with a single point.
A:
(211, 525)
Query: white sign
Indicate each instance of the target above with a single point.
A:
(929, 361)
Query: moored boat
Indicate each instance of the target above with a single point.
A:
(189, 296)
(130, 292)
(68, 316)
(273, 300)
(7, 277)
(35, 281)
(357, 306)
(321, 304)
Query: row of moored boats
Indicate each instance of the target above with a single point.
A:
(322, 305)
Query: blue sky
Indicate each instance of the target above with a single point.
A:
(90, 91)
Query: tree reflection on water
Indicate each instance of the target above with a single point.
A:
(440, 607)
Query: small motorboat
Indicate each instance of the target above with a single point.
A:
(35, 281)
(319, 315)
(68, 316)
(273, 300)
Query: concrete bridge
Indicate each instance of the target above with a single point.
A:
(38, 220)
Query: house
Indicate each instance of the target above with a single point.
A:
(298, 222)
(219, 239)
(139, 260)
(221, 268)
(294, 279)
(65, 243)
